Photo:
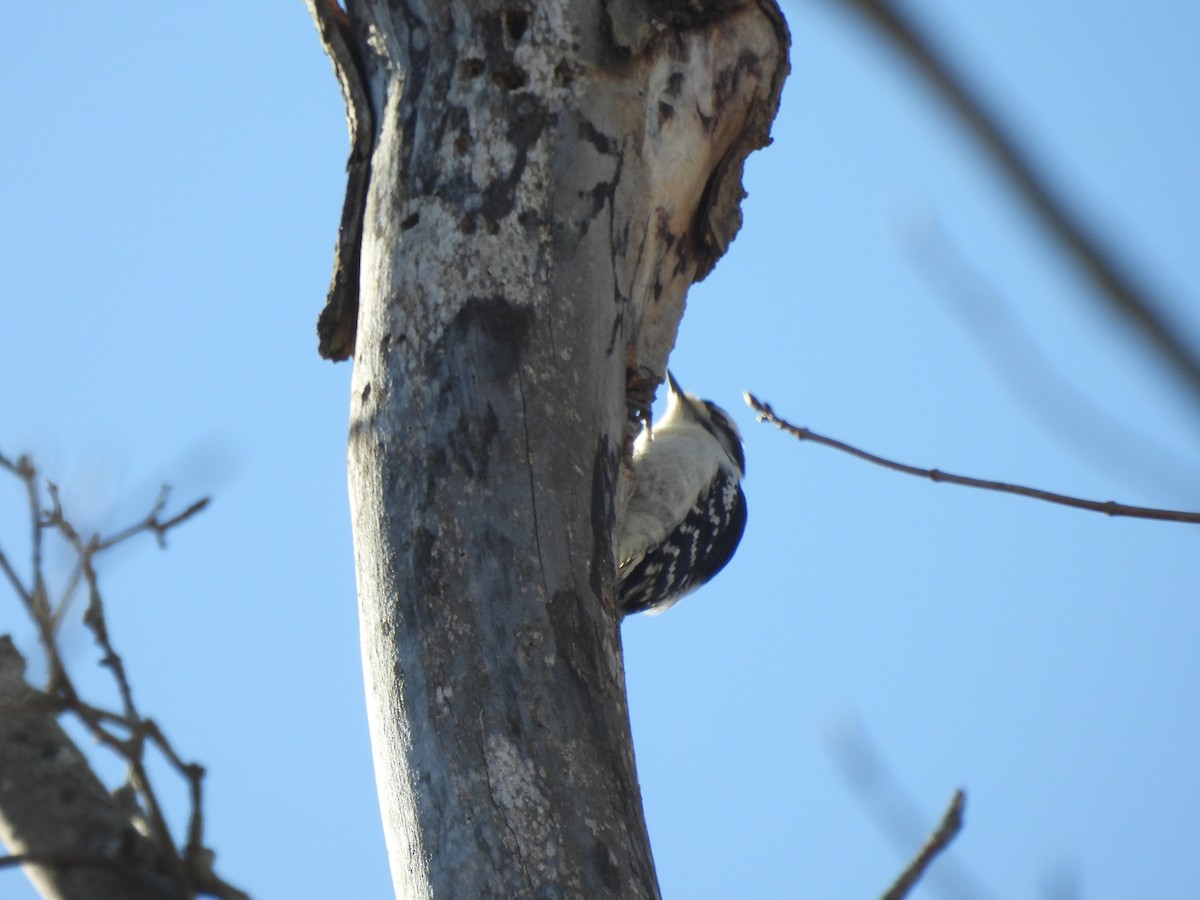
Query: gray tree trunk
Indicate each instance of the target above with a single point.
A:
(537, 187)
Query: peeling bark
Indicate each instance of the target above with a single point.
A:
(545, 184)
(336, 326)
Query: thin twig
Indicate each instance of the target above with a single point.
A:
(158, 821)
(152, 523)
(103, 716)
(37, 594)
(193, 773)
(1030, 374)
(1116, 283)
(946, 831)
(893, 809)
(14, 580)
(23, 471)
(94, 618)
(59, 610)
(1108, 507)
(35, 597)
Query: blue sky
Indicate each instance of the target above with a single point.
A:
(170, 195)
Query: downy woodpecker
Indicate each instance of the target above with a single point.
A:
(687, 512)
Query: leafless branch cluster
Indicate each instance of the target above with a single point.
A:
(126, 732)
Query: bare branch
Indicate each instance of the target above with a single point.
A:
(1108, 507)
(132, 748)
(152, 522)
(1029, 374)
(946, 831)
(894, 811)
(1118, 284)
(14, 580)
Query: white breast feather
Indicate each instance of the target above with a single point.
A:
(673, 468)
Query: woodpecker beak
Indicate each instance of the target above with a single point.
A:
(677, 400)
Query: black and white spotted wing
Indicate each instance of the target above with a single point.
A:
(692, 554)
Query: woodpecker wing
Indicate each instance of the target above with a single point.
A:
(696, 550)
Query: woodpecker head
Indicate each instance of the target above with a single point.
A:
(684, 407)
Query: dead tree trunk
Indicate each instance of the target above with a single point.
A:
(533, 189)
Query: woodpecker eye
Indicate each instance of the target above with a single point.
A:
(727, 433)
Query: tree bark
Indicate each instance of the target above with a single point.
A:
(54, 807)
(544, 185)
